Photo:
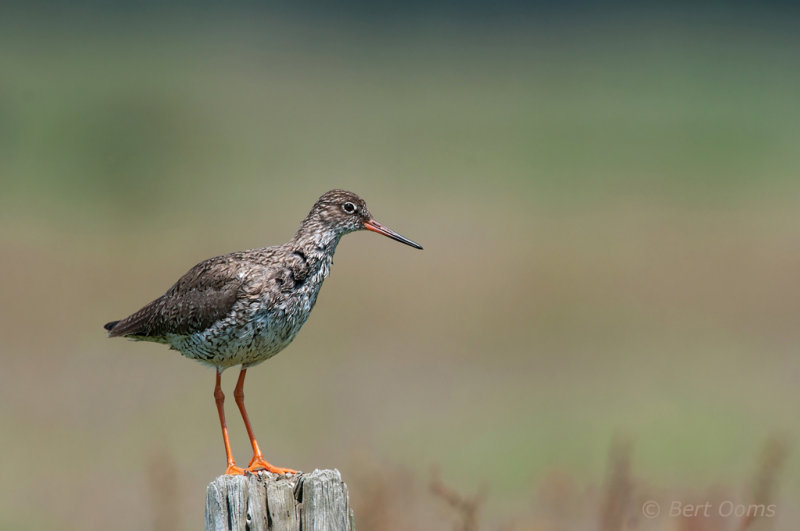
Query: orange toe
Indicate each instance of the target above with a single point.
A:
(258, 463)
(233, 470)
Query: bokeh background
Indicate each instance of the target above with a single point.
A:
(605, 311)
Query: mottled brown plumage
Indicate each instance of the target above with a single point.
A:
(243, 308)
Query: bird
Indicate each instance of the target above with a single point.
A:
(242, 308)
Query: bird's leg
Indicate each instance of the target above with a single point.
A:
(219, 398)
(257, 462)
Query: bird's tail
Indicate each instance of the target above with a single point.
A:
(110, 326)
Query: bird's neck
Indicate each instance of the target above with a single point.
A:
(316, 241)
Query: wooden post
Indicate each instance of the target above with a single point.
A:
(267, 502)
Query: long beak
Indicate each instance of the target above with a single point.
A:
(374, 226)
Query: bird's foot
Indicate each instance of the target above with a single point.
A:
(258, 463)
(233, 470)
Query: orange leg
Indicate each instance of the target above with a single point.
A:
(257, 462)
(219, 398)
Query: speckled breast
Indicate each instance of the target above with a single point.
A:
(253, 332)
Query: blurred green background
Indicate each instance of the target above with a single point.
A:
(608, 200)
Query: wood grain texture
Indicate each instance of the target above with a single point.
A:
(317, 501)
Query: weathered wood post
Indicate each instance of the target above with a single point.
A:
(317, 501)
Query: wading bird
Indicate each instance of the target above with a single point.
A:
(243, 308)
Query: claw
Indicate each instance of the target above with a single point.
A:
(258, 463)
(233, 470)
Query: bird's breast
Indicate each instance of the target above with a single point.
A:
(259, 326)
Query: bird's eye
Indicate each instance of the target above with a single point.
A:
(349, 207)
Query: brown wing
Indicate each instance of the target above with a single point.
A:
(201, 297)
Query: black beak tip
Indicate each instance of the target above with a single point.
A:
(403, 239)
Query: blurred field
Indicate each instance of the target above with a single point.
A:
(608, 205)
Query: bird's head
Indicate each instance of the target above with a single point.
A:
(339, 212)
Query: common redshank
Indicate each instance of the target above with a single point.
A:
(243, 308)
